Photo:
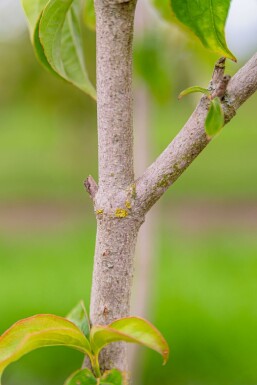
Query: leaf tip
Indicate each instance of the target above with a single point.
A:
(233, 58)
(229, 55)
(165, 356)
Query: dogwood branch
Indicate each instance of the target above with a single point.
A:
(192, 139)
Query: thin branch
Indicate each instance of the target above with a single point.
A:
(219, 82)
(192, 139)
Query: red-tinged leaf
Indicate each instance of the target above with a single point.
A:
(133, 330)
(40, 331)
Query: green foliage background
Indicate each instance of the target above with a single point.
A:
(203, 296)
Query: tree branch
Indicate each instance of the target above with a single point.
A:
(192, 139)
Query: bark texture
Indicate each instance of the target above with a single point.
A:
(192, 139)
(112, 280)
(117, 226)
(120, 202)
(114, 23)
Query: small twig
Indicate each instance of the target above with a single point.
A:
(91, 186)
(218, 71)
(219, 82)
(221, 87)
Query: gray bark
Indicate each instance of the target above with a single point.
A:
(120, 203)
(192, 139)
(112, 280)
(117, 226)
(114, 23)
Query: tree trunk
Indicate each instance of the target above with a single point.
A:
(117, 223)
(120, 202)
(112, 280)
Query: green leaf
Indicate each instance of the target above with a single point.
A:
(113, 377)
(56, 35)
(37, 332)
(190, 90)
(33, 10)
(215, 118)
(89, 14)
(60, 36)
(86, 377)
(132, 329)
(205, 18)
(79, 317)
(82, 377)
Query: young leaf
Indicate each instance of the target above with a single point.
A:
(37, 332)
(79, 317)
(82, 377)
(190, 90)
(113, 377)
(131, 329)
(60, 36)
(215, 118)
(207, 19)
(86, 377)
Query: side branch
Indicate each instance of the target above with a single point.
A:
(192, 139)
(91, 186)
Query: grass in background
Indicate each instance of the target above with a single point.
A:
(205, 297)
(204, 302)
(47, 272)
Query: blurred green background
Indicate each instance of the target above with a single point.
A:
(202, 294)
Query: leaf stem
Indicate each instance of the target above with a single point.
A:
(96, 366)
